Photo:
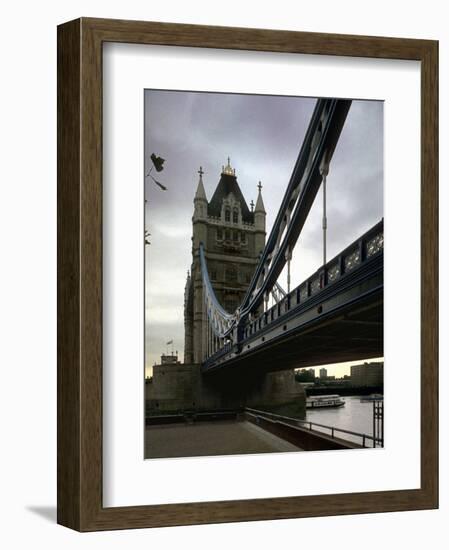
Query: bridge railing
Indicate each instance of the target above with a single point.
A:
(364, 439)
(357, 253)
(353, 256)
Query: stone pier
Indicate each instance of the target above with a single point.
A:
(182, 387)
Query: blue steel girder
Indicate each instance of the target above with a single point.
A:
(346, 283)
(316, 152)
(317, 149)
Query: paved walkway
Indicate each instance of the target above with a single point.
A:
(210, 439)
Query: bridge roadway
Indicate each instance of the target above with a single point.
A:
(335, 315)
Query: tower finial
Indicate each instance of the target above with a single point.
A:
(200, 192)
(259, 203)
(252, 205)
(228, 170)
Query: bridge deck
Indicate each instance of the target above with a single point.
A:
(213, 438)
(336, 315)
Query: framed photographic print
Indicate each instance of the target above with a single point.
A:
(247, 288)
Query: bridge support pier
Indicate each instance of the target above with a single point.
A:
(182, 387)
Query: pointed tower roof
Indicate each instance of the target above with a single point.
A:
(200, 192)
(187, 285)
(228, 184)
(260, 207)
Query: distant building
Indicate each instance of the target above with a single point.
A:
(368, 374)
(170, 359)
(323, 373)
(305, 376)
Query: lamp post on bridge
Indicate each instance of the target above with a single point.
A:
(288, 257)
(324, 171)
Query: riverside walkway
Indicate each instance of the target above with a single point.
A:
(223, 437)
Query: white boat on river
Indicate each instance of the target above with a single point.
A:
(324, 401)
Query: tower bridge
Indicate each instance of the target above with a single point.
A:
(335, 315)
(238, 350)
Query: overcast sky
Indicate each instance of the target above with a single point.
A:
(262, 135)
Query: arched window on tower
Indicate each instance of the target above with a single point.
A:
(227, 215)
(235, 216)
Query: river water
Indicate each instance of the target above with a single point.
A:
(353, 416)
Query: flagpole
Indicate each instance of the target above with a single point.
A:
(170, 342)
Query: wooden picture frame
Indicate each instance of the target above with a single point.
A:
(80, 504)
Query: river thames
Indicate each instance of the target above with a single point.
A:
(354, 416)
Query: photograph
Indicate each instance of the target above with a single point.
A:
(264, 280)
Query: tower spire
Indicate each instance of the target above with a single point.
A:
(200, 192)
(260, 207)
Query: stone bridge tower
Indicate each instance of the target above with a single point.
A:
(233, 236)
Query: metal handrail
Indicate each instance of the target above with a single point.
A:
(293, 300)
(322, 275)
(333, 429)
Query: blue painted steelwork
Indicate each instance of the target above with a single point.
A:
(342, 279)
(220, 320)
(319, 143)
(321, 139)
